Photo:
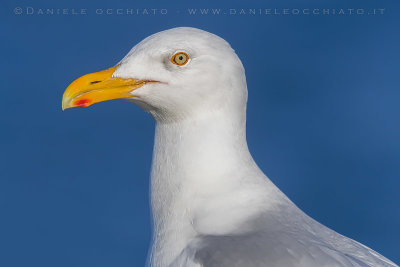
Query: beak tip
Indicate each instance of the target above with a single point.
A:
(65, 104)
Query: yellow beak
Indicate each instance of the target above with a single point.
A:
(97, 87)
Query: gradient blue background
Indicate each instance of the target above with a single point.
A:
(323, 123)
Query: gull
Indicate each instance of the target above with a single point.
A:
(211, 204)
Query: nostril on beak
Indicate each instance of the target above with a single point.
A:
(94, 82)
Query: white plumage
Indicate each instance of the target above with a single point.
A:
(212, 206)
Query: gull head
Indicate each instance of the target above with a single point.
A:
(173, 74)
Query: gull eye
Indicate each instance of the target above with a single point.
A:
(180, 58)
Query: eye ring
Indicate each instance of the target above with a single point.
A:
(180, 58)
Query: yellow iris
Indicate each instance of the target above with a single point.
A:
(180, 58)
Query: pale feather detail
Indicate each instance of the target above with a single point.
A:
(211, 204)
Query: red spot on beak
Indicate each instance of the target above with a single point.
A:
(82, 103)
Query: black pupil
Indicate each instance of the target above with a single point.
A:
(180, 57)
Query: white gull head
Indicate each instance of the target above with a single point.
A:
(211, 79)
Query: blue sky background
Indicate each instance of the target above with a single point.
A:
(323, 123)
